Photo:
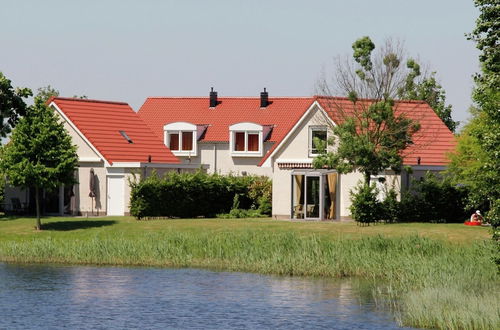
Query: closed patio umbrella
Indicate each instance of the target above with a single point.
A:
(92, 188)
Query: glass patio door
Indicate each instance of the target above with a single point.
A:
(307, 196)
(312, 197)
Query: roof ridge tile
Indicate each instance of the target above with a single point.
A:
(75, 99)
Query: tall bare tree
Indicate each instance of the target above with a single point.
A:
(370, 133)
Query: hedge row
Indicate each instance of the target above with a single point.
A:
(434, 199)
(430, 200)
(189, 195)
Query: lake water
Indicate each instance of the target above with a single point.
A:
(86, 297)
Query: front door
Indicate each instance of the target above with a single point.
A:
(116, 195)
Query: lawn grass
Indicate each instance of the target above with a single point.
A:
(441, 275)
(84, 227)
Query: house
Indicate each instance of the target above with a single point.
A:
(113, 144)
(274, 137)
(270, 136)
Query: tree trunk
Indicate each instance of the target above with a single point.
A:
(367, 178)
(37, 200)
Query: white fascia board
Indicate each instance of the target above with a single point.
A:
(268, 161)
(124, 164)
(73, 126)
(428, 167)
(89, 159)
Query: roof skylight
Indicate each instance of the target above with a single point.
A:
(126, 137)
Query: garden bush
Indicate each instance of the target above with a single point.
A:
(391, 207)
(189, 195)
(260, 192)
(434, 199)
(431, 199)
(255, 212)
(365, 208)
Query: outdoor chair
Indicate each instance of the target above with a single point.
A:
(298, 211)
(312, 210)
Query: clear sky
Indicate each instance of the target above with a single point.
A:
(126, 50)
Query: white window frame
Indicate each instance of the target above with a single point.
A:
(247, 128)
(310, 142)
(180, 128)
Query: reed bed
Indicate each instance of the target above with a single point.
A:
(435, 284)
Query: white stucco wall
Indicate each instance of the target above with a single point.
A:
(282, 192)
(347, 183)
(218, 158)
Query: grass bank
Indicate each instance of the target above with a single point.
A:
(442, 275)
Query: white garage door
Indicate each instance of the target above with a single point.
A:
(116, 198)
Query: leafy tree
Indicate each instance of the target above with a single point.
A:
(429, 90)
(467, 162)
(370, 134)
(83, 97)
(12, 104)
(476, 161)
(40, 153)
(484, 130)
(47, 92)
(487, 97)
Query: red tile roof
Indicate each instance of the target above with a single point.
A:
(283, 113)
(431, 143)
(101, 123)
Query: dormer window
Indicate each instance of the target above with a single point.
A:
(181, 138)
(246, 139)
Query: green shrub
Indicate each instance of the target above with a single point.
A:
(241, 213)
(265, 205)
(189, 195)
(237, 212)
(493, 217)
(391, 207)
(434, 199)
(260, 191)
(365, 208)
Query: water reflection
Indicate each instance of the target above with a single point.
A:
(51, 297)
(92, 283)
